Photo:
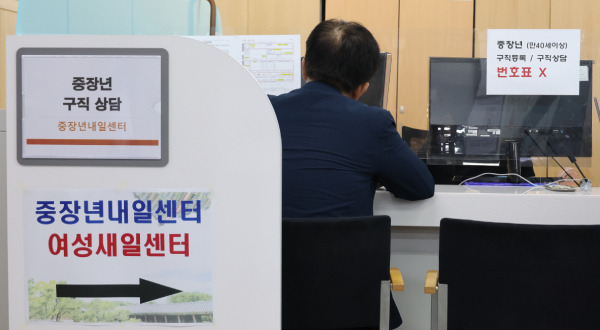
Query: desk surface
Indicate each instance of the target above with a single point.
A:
(534, 205)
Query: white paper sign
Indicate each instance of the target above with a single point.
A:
(533, 62)
(77, 106)
(273, 60)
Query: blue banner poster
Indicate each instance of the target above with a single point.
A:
(107, 257)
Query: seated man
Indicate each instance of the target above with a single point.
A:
(337, 150)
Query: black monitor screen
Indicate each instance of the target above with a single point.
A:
(466, 124)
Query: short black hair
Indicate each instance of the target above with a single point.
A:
(342, 53)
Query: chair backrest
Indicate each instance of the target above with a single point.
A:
(332, 271)
(518, 276)
(417, 139)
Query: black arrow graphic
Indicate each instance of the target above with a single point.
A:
(145, 290)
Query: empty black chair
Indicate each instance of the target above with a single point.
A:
(336, 273)
(518, 276)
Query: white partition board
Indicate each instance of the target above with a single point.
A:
(3, 246)
(223, 138)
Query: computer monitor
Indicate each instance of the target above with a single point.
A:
(469, 127)
(377, 93)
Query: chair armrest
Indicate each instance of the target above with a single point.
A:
(397, 280)
(431, 281)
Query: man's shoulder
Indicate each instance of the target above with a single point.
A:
(296, 93)
(304, 98)
(323, 97)
(361, 110)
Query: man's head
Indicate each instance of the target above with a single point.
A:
(341, 53)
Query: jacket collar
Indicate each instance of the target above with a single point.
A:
(321, 86)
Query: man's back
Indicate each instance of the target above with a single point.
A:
(336, 150)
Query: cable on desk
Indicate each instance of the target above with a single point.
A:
(497, 174)
(587, 182)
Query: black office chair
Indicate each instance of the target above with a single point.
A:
(336, 273)
(516, 276)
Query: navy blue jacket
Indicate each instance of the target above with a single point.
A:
(335, 152)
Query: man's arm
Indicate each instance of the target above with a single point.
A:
(399, 169)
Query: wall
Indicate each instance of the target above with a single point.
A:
(378, 19)
(495, 14)
(8, 24)
(428, 29)
(413, 31)
(269, 17)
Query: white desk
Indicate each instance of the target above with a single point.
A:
(493, 203)
(415, 231)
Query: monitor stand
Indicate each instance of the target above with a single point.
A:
(513, 160)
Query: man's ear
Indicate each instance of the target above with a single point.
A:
(303, 71)
(360, 90)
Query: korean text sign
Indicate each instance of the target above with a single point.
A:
(533, 62)
(92, 104)
(116, 237)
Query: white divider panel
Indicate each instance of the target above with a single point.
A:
(223, 139)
